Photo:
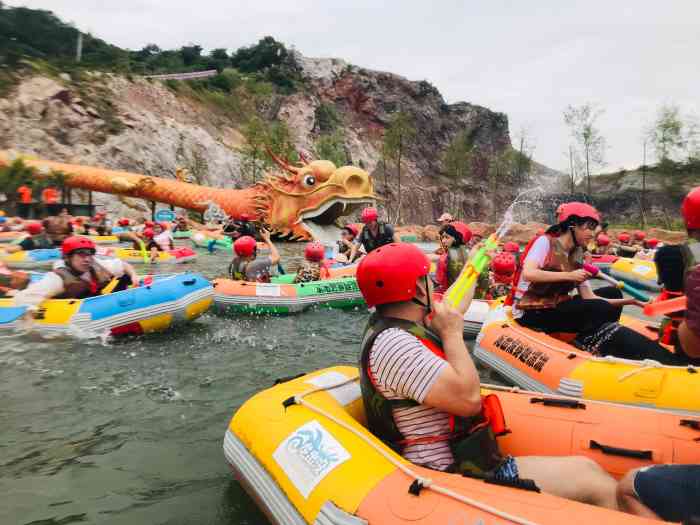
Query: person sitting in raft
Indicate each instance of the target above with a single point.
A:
(552, 269)
(678, 267)
(454, 237)
(624, 247)
(78, 275)
(421, 390)
(662, 492)
(124, 224)
(638, 238)
(602, 245)
(181, 224)
(59, 227)
(375, 233)
(246, 266)
(514, 248)
(163, 237)
(36, 239)
(312, 269)
(347, 248)
(445, 219)
(98, 225)
(503, 267)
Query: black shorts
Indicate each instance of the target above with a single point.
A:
(671, 491)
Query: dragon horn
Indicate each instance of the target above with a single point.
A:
(282, 164)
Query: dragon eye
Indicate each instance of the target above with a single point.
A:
(309, 180)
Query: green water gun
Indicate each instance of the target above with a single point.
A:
(475, 266)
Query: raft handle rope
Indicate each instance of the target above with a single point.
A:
(560, 403)
(646, 364)
(419, 482)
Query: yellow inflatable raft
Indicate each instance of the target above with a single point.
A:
(637, 272)
(302, 451)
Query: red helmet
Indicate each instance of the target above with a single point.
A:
(652, 243)
(76, 243)
(623, 237)
(389, 273)
(244, 217)
(511, 247)
(577, 209)
(123, 222)
(33, 228)
(245, 246)
(463, 230)
(163, 225)
(369, 215)
(639, 235)
(602, 240)
(503, 263)
(148, 233)
(691, 209)
(314, 252)
(354, 230)
(149, 224)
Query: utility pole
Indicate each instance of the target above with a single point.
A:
(79, 47)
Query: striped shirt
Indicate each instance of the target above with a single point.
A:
(404, 368)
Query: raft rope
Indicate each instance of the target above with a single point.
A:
(646, 364)
(423, 483)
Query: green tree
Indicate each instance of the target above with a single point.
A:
(326, 119)
(399, 136)
(281, 141)
(253, 152)
(331, 146)
(14, 176)
(582, 121)
(457, 158)
(667, 133)
(191, 54)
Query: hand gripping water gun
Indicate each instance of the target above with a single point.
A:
(666, 307)
(595, 272)
(474, 267)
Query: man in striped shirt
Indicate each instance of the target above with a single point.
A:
(414, 361)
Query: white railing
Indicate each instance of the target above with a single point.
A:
(184, 76)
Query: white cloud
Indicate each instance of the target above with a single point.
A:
(527, 59)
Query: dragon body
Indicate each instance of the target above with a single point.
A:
(315, 191)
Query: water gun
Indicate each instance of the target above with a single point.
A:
(595, 272)
(473, 268)
(666, 307)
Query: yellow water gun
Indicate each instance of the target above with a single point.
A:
(469, 275)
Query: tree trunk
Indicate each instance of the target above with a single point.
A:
(571, 167)
(588, 174)
(398, 173)
(642, 202)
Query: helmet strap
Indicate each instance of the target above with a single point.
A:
(427, 305)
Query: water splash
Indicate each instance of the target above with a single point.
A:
(509, 215)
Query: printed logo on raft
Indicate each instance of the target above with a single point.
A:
(535, 359)
(308, 455)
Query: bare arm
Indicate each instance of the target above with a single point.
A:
(129, 270)
(457, 388)
(274, 254)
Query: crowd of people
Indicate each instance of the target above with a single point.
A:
(420, 386)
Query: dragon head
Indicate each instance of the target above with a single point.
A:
(313, 194)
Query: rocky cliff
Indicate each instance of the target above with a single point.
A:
(140, 125)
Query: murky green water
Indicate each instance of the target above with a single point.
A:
(131, 431)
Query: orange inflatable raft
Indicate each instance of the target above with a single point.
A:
(302, 451)
(537, 361)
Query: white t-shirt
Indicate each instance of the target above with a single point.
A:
(163, 240)
(403, 368)
(51, 284)
(538, 253)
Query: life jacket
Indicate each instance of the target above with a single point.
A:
(237, 271)
(41, 242)
(672, 263)
(547, 295)
(57, 228)
(74, 287)
(449, 266)
(13, 281)
(383, 237)
(312, 271)
(472, 440)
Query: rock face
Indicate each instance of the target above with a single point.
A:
(144, 127)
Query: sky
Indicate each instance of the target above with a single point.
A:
(528, 59)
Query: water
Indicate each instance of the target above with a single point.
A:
(130, 431)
